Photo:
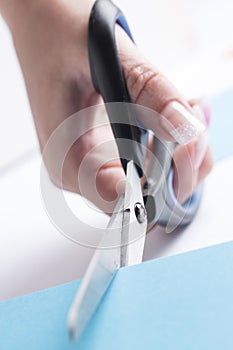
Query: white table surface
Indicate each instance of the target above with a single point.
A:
(33, 254)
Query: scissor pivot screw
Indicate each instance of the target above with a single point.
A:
(140, 212)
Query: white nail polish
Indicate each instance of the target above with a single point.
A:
(198, 111)
(185, 133)
(182, 125)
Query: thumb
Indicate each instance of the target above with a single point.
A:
(174, 119)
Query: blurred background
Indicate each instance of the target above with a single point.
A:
(191, 41)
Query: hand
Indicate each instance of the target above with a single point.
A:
(51, 42)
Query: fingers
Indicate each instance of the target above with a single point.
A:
(92, 168)
(173, 118)
(185, 176)
(192, 163)
(206, 166)
(100, 176)
(110, 183)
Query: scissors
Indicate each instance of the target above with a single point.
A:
(140, 206)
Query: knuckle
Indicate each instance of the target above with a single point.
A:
(208, 164)
(138, 77)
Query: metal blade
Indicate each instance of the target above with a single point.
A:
(122, 244)
(134, 221)
(100, 272)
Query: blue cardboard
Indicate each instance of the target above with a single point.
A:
(180, 302)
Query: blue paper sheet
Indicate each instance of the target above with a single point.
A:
(179, 302)
(183, 302)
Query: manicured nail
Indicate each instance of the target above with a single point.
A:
(198, 111)
(202, 142)
(182, 125)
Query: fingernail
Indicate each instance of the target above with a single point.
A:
(181, 124)
(198, 111)
(202, 141)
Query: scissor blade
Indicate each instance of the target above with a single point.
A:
(100, 272)
(135, 219)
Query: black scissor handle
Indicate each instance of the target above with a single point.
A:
(109, 81)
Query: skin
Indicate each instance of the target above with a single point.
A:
(50, 39)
